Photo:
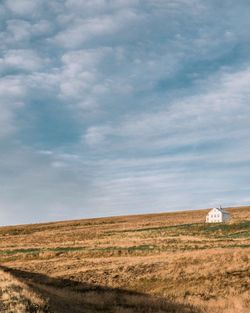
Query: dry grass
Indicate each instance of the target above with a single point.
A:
(16, 297)
(169, 262)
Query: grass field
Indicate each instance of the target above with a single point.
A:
(169, 262)
(17, 297)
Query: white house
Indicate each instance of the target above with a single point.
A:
(217, 215)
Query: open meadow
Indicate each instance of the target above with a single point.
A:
(169, 262)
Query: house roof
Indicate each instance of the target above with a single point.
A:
(220, 209)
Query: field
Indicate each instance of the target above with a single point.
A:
(169, 262)
(17, 297)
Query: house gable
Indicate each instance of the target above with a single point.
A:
(217, 215)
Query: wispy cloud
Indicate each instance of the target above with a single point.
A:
(20, 59)
(220, 102)
(122, 106)
(24, 8)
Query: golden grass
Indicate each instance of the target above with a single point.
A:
(169, 262)
(16, 297)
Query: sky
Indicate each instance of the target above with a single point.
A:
(122, 107)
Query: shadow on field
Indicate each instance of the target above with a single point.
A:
(70, 296)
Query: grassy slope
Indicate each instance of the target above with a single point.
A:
(16, 297)
(174, 257)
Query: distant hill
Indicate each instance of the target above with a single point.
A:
(168, 262)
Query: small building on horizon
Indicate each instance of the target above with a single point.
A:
(217, 215)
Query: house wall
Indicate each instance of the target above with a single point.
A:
(216, 216)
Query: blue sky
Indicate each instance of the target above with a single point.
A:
(121, 107)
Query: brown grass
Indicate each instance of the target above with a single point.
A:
(16, 297)
(170, 262)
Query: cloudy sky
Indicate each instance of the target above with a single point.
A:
(124, 106)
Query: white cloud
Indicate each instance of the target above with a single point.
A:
(96, 135)
(80, 78)
(10, 88)
(23, 59)
(81, 30)
(42, 27)
(80, 60)
(23, 7)
(11, 95)
(159, 90)
(95, 5)
(207, 116)
(16, 31)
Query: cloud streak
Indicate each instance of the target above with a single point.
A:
(116, 107)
